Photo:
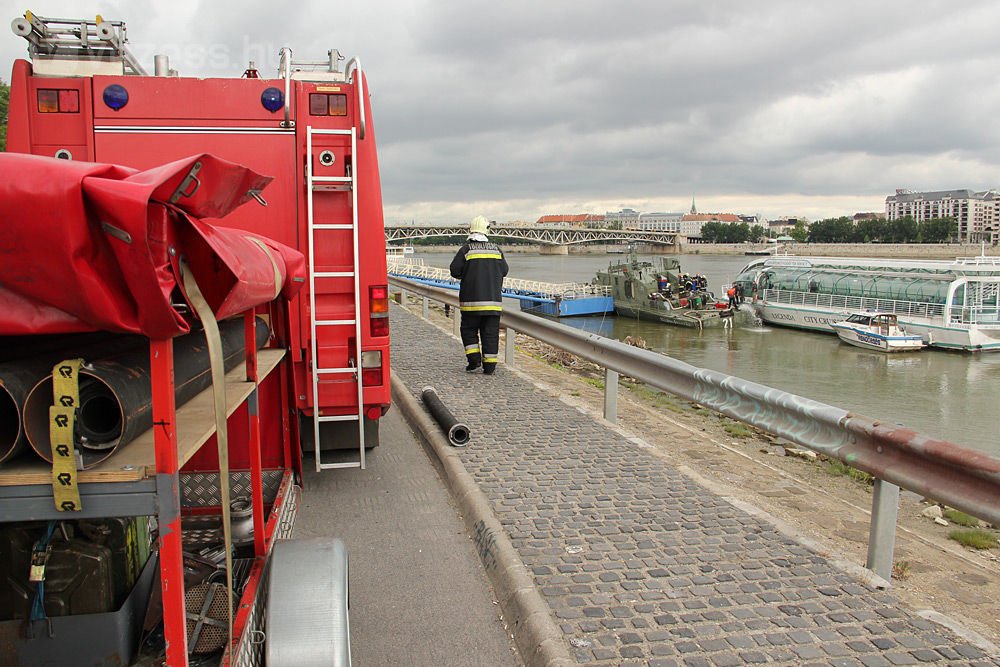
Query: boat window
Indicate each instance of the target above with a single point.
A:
(847, 282)
(859, 319)
(629, 289)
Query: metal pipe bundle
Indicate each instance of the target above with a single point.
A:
(116, 398)
(25, 360)
(16, 380)
(458, 433)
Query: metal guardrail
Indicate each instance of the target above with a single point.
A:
(511, 286)
(896, 456)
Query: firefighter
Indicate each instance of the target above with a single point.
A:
(481, 267)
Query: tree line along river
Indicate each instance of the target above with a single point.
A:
(948, 395)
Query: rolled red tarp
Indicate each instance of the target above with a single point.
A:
(96, 247)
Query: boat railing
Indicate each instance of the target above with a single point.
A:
(897, 457)
(855, 303)
(979, 260)
(415, 268)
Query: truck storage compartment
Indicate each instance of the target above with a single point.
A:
(91, 568)
(100, 640)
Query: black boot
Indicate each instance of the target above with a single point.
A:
(475, 360)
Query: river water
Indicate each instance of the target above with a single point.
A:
(949, 395)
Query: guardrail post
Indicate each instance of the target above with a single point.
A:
(508, 346)
(425, 310)
(610, 395)
(456, 321)
(882, 534)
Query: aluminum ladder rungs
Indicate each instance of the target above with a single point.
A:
(338, 418)
(334, 323)
(322, 130)
(346, 184)
(332, 466)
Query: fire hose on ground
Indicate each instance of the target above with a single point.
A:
(458, 433)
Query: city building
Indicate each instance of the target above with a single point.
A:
(975, 212)
(659, 222)
(776, 228)
(572, 220)
(625, 219)
(691, 223)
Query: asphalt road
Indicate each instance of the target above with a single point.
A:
(419, 595)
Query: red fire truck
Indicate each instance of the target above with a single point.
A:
(84, 96)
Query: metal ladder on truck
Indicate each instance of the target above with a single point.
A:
(99, 42)
(345, 184)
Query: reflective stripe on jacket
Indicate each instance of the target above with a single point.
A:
(481, 267)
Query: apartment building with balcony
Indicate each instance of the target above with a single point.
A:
(977, 213)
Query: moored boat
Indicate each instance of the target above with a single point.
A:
(877, 331)
(661, 293)
(949, 304)
(398, 250)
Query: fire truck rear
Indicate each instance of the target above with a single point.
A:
(85, 97)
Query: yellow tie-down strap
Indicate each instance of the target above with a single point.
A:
(62, 419)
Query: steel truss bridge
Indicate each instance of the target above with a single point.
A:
(541, 234)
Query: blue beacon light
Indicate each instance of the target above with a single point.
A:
(115, 96)
(272, 99)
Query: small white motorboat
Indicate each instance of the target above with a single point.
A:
(877, 331)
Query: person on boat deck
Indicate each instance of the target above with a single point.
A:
(481, 267)
(731, 293)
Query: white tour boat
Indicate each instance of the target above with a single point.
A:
(877, 331)
(398, 250)
(951, 304)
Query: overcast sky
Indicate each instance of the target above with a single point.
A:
(517, 109)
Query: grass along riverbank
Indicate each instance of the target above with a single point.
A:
(799, 492)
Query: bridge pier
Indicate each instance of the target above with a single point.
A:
(554, 249)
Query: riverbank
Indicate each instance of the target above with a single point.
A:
(829, 511)
(886, 250)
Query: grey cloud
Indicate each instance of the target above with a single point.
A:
(584, 101)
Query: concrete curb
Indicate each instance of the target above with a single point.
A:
(536, 635)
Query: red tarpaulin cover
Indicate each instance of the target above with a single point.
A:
(97, 247)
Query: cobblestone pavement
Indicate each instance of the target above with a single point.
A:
(639, 564)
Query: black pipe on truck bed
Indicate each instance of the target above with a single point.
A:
(116, 395)
(458, 433)
(25, 360)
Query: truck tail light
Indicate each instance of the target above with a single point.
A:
(379, 298)
(371, 368)
(53, 100)
(380, 326)
(378, 306)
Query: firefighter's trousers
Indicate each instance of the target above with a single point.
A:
(481, 338)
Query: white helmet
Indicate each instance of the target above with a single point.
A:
(479, 225)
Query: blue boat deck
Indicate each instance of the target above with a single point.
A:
(539, 298)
